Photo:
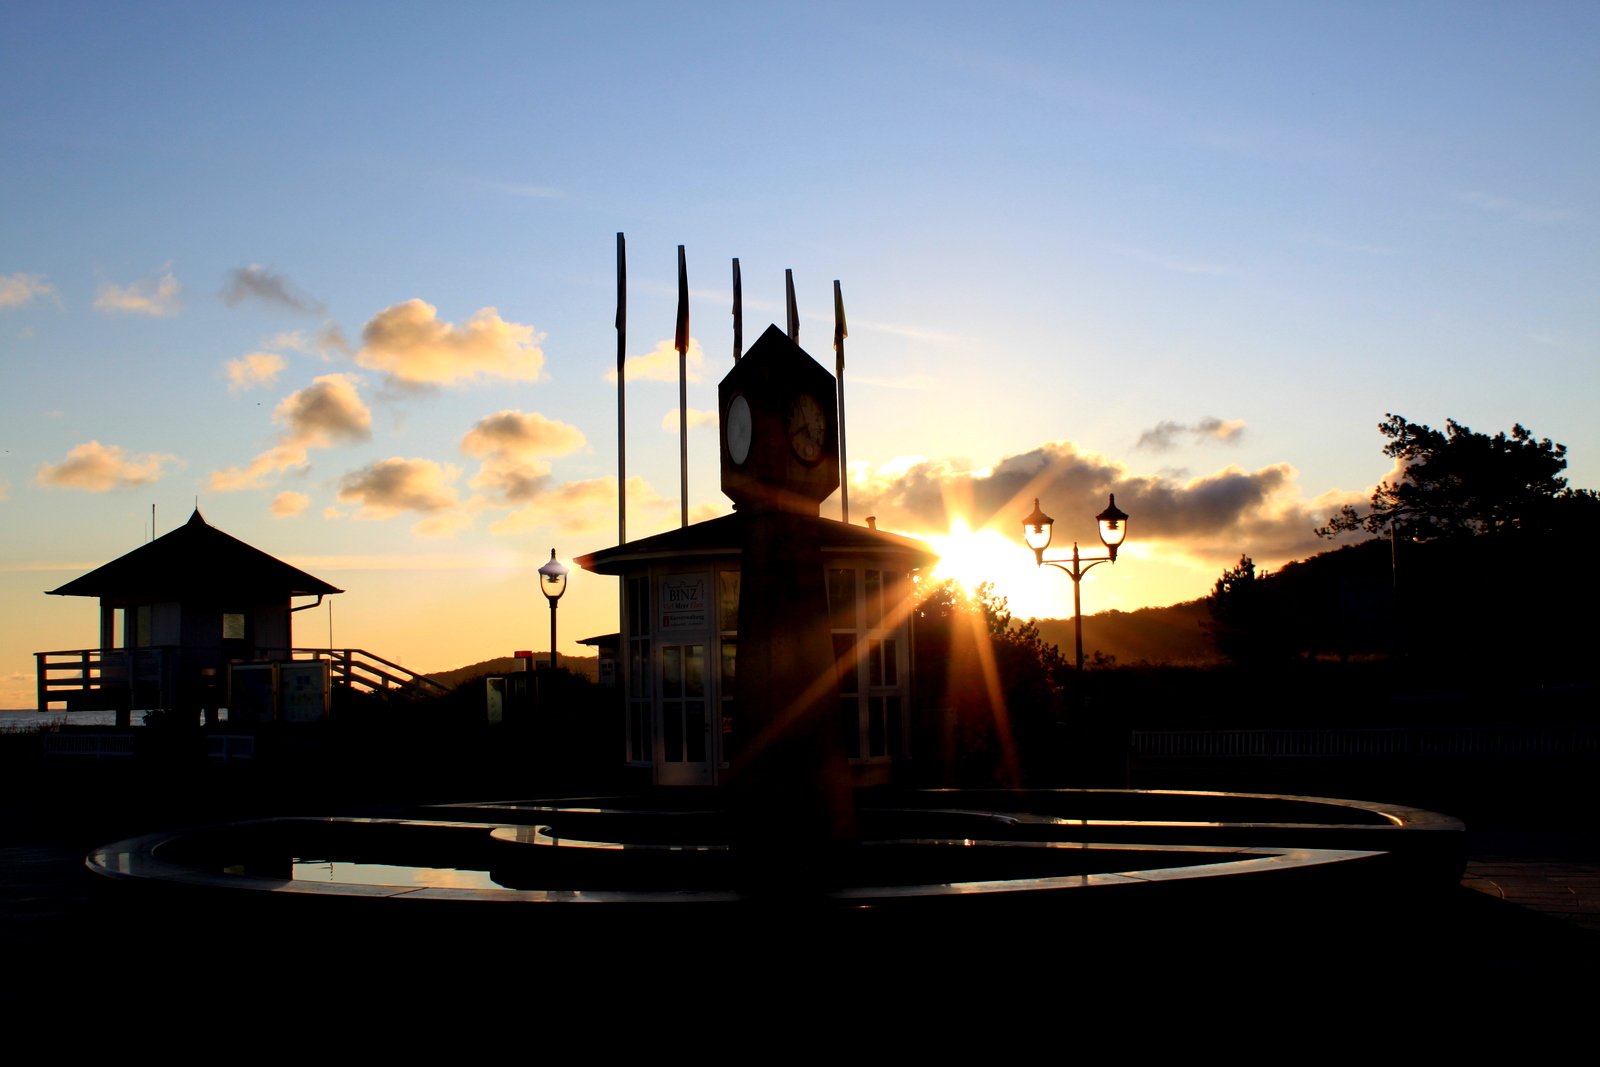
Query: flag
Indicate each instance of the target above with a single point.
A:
(794, 312)
(682, 342)
(622, 283)
(840, 330)
(738, 312)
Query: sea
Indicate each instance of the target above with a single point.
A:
(17, 721)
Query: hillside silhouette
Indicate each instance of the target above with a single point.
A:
(1172, 635)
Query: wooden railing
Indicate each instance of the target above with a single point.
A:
(359, 669)
(148, 677)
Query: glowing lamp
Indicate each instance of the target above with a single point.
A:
(552, 583)
(553, 579)
(1113, 525)
(1037, 529)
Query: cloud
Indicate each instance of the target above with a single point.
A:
(94, 467)
(1215, 516)
(261, 285)
(158, 298)
(1527, 212)
(287, 504)
(511, 445)
(1164, 435)
(410, 343)
(660, 364)
(390, 487)
(5, 490)
(587, 507)
(20, 290)
(257, 368)
(325, 413)
(669, 421)
(327, 340)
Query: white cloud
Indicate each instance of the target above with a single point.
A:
(660, 364)
(669, 421)
(325, 413)
(158, 297)
(413, 346)
(20, 290)
(511, 445)
(287, 504)
(97, 468)
(388, 487)
(257, 368)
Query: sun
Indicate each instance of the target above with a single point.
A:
(973, 557)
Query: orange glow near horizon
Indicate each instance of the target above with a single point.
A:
(973, 557)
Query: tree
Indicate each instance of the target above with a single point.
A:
(1460, 483)
(1244, 621)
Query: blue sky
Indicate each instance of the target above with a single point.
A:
(1053, 223)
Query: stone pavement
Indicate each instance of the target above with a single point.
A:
(1554, 873)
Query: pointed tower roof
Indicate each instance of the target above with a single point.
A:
(195, 561)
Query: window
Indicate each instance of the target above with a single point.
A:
(869, 638)
(684, 730)
(232, 626)
(636, 611)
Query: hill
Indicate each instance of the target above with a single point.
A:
(1170, 635)
(587, 666)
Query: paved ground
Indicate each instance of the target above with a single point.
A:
(1556, 874)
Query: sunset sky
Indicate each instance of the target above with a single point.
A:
(344, 272)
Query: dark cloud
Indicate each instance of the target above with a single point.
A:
(257, 283)
(1166, 435)
(1218, 515)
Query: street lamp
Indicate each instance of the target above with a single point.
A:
(552, 583)
(1037, 530)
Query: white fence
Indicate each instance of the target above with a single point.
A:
(1368, 743)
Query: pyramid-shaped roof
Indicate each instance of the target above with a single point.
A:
(725, 536)
(196, 561)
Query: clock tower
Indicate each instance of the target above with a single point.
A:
(779, 413)
(780, 460)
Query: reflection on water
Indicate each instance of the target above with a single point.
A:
(387, 874)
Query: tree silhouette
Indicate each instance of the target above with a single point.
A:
(1244, 618)
(1460, 483)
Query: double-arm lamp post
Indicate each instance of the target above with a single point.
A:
(552, 583)
(1037, 531)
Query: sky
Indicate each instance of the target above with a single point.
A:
(344, 274)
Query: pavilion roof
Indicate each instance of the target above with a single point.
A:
(195, 561)
(725, 536)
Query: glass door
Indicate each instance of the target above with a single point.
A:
(687, 751)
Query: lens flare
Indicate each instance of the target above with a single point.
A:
(973, 557)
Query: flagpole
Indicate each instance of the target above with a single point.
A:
(794, 312)
(622, 400)
(683, 389)
(840, 332)
(738, 312)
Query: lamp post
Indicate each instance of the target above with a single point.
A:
(552, 583)
(1037, 529)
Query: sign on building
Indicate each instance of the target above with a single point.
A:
(303, 689)
(685, 603)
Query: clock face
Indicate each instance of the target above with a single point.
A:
(739, 430)
(808, 428)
